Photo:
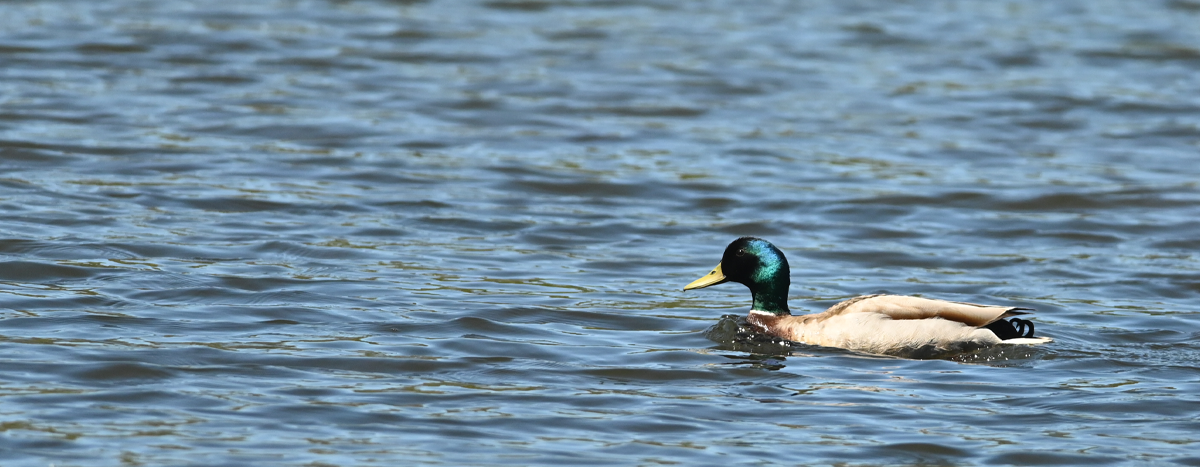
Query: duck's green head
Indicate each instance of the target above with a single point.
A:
(757, 264)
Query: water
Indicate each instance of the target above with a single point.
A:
(422, 233)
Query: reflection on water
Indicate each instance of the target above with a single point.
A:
(357, 232)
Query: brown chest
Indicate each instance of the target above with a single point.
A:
(779, 326)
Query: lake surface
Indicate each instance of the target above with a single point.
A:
(455, 233)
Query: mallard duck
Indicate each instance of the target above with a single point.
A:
(880, 324)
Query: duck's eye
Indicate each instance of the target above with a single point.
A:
(741, 252)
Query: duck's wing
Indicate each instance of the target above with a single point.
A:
(906, 307)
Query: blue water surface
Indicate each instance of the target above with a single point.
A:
(456, 232)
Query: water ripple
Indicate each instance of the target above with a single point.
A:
(349, 233)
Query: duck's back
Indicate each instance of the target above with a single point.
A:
(905, 307)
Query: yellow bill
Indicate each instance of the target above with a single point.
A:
(713, 278)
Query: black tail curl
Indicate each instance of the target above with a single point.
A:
(1014, 328)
